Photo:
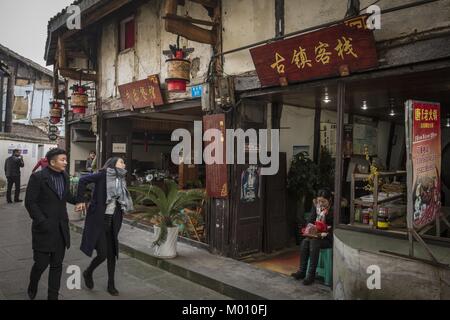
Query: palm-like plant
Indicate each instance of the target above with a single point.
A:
(169, 204)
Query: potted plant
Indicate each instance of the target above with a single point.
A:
(302, 181)
(170, 214)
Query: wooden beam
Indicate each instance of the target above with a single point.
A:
(102, 12)
(191, 32)
(76, 54)
(77, 75)
(189, 20)
(206, 3)
(61, 53)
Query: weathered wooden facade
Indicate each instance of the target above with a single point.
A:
(411, 47)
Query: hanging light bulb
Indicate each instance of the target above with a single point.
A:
(392, 113)
(448, 122)
(364, 106)
(326, 97)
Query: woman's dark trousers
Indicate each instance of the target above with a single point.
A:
(310, 249)
(105, 251)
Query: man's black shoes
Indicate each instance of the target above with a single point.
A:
(18, 200)
(298, 275)
(32, 292)
(309, 280)
(88, 280)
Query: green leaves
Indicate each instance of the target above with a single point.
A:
(306, 177)
(170, 205)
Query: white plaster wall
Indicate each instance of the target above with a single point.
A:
(148, 44)
(245, 22)
(202, 54)
(107, 59)
(79, 151)
(301, 14)
(147, 56)
(30, 159)
(297, 129)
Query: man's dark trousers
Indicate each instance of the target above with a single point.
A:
(13, 181)
(42, 260)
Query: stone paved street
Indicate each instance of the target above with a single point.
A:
(134, 279)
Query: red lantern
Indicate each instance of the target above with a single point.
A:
(55, 112)
(79, 99)
(178, 72)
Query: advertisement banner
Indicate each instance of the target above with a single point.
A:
(425, 151)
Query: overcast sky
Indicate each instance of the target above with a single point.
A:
(23, 25)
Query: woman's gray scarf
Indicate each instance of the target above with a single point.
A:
(116, 190)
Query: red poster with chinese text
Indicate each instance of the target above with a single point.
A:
(426, 161)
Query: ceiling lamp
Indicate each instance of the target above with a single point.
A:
(364, 106)
(326, 97)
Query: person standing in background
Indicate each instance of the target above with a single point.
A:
(12, 173)
(90, 161)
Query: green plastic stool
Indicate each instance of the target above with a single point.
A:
(325, 266)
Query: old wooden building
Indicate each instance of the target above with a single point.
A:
(317, 71)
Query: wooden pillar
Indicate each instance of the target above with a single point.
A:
(339, 152)
(9, 102)
(66, 120)
(317, 116)
(2, 87)
(391, 145)
(279, 18)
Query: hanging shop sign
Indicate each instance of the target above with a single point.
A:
(216, 174)
(424, 149)
(335, 51)
(79, 100)
(141, 94)
(119, 148)
(53, 136)
(56, 111)
(53, 129)
(178, 71)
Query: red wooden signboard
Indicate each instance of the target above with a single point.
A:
(141, 94)
(337, 50)
(217, 174)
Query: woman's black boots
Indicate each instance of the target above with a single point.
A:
(112, 289)
(88, 279)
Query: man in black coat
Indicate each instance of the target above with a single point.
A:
(47, 194)
(12, 173)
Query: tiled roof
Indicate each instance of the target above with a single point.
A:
(28, 62)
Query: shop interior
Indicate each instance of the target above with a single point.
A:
(373, 139)
(151, 164)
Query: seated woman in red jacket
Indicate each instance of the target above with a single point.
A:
(317, 235)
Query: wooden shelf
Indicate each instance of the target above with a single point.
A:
(376, 202)
(362, 176)
(371, 203)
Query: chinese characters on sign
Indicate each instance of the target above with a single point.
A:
(426, 161)
(141, 94)
(317, 54)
